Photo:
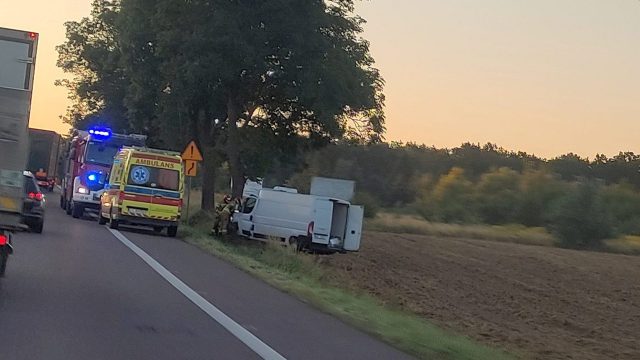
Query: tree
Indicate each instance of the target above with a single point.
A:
(90, 54)
(498, 196)
(288, 67)
(579, 219)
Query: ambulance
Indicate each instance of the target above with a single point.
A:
(145, 187)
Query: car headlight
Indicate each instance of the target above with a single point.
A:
(83, 190)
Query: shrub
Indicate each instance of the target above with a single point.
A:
(369, 202)
(579, 219)
(452, 199)
(622, 202)
(538, 191)
(498, 196)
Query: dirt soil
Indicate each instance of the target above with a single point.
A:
(540, 302)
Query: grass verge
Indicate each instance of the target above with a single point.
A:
(303, 277)
(407, 224)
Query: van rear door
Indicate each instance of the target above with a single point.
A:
(322, 215)
(354, 228)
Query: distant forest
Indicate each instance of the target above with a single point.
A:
(580, 200)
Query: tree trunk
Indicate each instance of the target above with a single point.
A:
(209, 167)
(233, 149)
(210, 163)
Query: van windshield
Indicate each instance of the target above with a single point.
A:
(157, 178)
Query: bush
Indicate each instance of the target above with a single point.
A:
(539, 190)
(369, 202)
(451, 200)
(622, 202)
(579, 219)
(498, 196)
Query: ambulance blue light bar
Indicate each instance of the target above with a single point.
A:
(101, 133)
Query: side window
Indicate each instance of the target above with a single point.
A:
(249, 204)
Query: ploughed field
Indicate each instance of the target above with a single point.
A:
(538, 302)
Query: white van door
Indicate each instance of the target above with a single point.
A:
(322, 214)
(245, 217)
(354, 228)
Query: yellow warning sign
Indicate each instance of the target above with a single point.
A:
(190, 168)
(192, 152)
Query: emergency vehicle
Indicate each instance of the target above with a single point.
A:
(145, 187)
(88, 162)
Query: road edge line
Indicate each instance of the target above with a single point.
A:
(242, 334)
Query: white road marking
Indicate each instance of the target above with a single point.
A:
(255, 344)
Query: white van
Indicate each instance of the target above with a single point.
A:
(308, 222)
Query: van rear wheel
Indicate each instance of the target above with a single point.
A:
(295, 244)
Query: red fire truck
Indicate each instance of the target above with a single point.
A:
(87, 166)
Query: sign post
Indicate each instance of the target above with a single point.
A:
(191, 156)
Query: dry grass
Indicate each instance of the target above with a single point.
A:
(624, 245)
(407, 224)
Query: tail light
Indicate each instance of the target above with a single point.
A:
(35, 196)
(310, 229)
(120, 197)
(3, 239)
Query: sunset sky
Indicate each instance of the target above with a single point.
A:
(543, 76)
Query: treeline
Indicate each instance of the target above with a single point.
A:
(582, 201)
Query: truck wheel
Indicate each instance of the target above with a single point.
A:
(157, 229)
(4, 257)
(77, 211)
(172, 231)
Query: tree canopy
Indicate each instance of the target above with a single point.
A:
(252, 81)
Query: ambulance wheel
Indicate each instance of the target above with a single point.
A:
(77, 211)
(172, 231)
(101, 219)
(113, 223)
(68, 207)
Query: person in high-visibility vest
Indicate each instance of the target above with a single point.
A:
(223, 215)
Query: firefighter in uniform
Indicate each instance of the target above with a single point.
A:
(223, 215)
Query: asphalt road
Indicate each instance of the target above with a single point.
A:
(80, 291)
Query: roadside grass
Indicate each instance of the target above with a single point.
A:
(408, 224)
(629, 245)
(302, 276)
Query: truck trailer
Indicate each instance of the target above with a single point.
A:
(44, 156)
(17, 63)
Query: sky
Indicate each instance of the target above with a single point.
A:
(543, 76)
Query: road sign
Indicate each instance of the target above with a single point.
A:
(190, 168)
(192, 152)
